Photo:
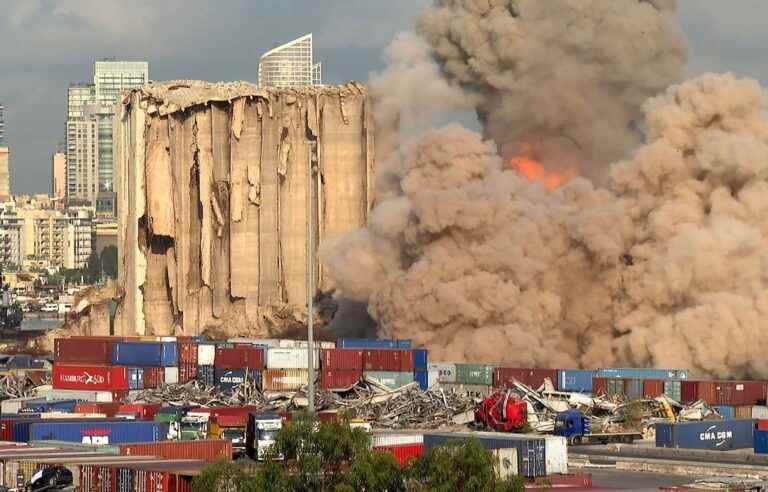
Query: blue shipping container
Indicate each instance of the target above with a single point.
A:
(229, 378)
(135, 378)
(145, 354)
(761, 442)
(206, 375)
(727, 411)
(372, 343)
(35, 406)
(531, 450)
(20, 431)
(640, 373)
(708, 434)
(420, 359)
(578, 380)
(99, 432)
(422, 377)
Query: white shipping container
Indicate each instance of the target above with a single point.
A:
(168, 339)
(267, 342)
(14, 405)
(397, 439)
(290, 358)
(206, 353)
(505, 462)
(759, 412)
(443, 373)
(171, 375)
(318, 344)
(83, 395)
(556, 450)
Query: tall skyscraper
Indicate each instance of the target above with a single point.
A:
(2, 125)
(290, 65)
(5, 158)
(90, 166)
(59, 175)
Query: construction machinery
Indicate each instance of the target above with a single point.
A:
(503, 411)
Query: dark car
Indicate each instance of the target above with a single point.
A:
(54, 478)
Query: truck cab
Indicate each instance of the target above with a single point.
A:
(194, 425)
(261, 433)
(172, 416)
(231, 428)
(572, 425)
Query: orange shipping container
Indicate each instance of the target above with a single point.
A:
(108, 409)
(653, 388)
(209, 451)
(284, 379)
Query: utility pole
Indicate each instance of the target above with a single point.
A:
(310, 280)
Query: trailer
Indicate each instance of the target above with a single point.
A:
(574, 426)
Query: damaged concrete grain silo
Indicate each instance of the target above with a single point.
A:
(212, 186)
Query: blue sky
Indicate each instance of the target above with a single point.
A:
(48, 44)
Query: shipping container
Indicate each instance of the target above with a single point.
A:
(318, 344)
(557, 455)
(751, 412)
(339, 379)
(421, 377)
(403, 453)
(616, 387)
(475, 374)
(726, 411)
(208, 451)
(388, 360)
(761, 442)
(229, 378)
(263, 342)
(396, 438)
(734, 393)
(206, 375)
(90, 377)
(633, 388)
(154, 377)
(341, 359)
(531, 450)
(762, 424)
(206, 354)
(390, 379)
(239, 357)
(673, 389)
(575, 380)
(99, 432)
(420, 362)
(188, 353)
(107, 408)
(653, 388)
(288, 358)
(642, 373)
(15, 405)
(441, 373)
(187, 372)
(599, 386)
(372, 343)
(43, 406)
(84, 395)
(471, 390)
(143, 411)
(534, 378)
(21, 430)
(709, 434)
(284, 379)
(135, 378)
(145, 354)
(84, 350)
(171, 375)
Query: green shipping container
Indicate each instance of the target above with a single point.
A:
(392, 380)
(474, 374)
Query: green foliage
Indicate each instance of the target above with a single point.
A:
(93, 268)
(334, 458)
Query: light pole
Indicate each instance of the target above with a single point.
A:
(310, 281)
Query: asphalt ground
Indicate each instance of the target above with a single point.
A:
(606, 479)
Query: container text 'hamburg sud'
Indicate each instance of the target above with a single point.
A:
(708, 434)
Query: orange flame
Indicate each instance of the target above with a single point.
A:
(534, 172)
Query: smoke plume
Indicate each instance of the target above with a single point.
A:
(663, 263)
(560, 79)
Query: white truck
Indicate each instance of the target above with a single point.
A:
(261, 434)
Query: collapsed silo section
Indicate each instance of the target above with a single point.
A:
(213, 182)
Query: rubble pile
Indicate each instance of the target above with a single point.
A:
(21, 384)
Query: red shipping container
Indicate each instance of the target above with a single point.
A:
(689, 391)
(534, 378)
(761, 424)
(187, 353)
(336, 380)
(388, 360)
(341, 359)
(84, 350)
(239, 357)
(403, 453)
(208, 451)
(93, 378)
(108, 409)
(145, 411)
(153, 376)
(599, 386)
(653, 388)
(738, 393)
(187, 373)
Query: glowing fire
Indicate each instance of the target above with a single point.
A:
(533, 171)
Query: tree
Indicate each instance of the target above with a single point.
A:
(93, 268)
(109, 261)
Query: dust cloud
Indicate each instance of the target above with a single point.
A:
(661, 260)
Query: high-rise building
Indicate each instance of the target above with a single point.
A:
(5, 158)
(290, 65)
(59, 175)
(2, 125)
(92, 106)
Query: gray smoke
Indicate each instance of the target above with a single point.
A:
(666, 264)
(560, 79)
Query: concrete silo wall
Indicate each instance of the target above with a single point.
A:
(212, 200)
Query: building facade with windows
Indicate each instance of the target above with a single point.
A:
(290, 65)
